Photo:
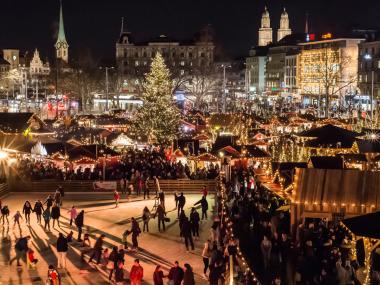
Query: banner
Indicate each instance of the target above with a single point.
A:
(105, 186)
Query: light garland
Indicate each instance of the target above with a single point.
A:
(229, 229)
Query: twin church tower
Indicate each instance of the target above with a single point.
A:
(266, 33)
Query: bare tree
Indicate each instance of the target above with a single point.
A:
(202, 83)
(329, 72)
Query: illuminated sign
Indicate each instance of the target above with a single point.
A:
(310, 37)
(327, 36)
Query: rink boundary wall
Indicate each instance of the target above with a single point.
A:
(75, 186)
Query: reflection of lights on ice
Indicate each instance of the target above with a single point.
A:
(3, 154)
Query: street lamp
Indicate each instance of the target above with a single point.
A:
(106, 69)
(224, 95)
(368, 57)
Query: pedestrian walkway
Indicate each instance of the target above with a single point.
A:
(101, 217)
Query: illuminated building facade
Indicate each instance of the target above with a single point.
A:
(328, 66)
(369, 68)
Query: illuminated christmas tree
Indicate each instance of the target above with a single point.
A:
(159, 117)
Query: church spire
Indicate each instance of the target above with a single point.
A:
(284, 29)
(61, 32)
(61, 45)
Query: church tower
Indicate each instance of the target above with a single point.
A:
(61, 46)
(284, 29)
(265, 32)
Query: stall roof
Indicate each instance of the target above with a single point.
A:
(365, 225)
(329, 132)
(91, 151)
(327, 162)
(368, 146)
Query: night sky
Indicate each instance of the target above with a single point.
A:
(95, 24)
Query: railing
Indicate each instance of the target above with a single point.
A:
(188, 186)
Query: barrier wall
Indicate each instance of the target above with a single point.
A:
(187, 186)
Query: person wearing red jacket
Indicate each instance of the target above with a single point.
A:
(137, 273)
(116, 197)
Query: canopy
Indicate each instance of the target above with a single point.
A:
(365, 225)
(329, 131)
(207, 157)
(122, 141)
(38, 149)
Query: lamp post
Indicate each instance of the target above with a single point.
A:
(107, 82)
(58, 47)
(224, 95)
(368, 57)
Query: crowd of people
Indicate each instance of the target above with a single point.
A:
(131, 166)
(319, 254)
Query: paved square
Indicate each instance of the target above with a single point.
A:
(101, 216)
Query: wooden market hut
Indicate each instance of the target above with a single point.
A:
(323, 193)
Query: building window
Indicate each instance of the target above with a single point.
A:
(144, 54)
(378, 64)
(182, 55)
(182, 63)
(182, 72)
(136, 63)
(190, 55)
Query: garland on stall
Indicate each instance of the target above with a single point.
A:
(228, 225)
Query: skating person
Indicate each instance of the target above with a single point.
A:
(137, 273)
(73, 214)
(57, 197)
(158, 276)
(116, 197)
(38, 209)
(176, 199)
(49, 201)
(135, 230)
(146, 187)
(31, 259)
(53, 276)
(181, 203)
(186, 233)
(47, 216)
(176, 274)
(188, 277)
(140, 185)
(206, 253)
(161, 197)
(119, 271)
(62, 192)
(97, 250)
(55, 214)
(21, 248)
(181, 219)
(86, 246)
(204, 191)
(204, 206)
(146, 217)
(194, 220)
(5, 214)
(112, 262)
(79, 222)
(27, 209)
(16, 219)
(62, 248)
(161, 214)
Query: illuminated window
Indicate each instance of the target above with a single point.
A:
(136, 63)
(182, 63)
